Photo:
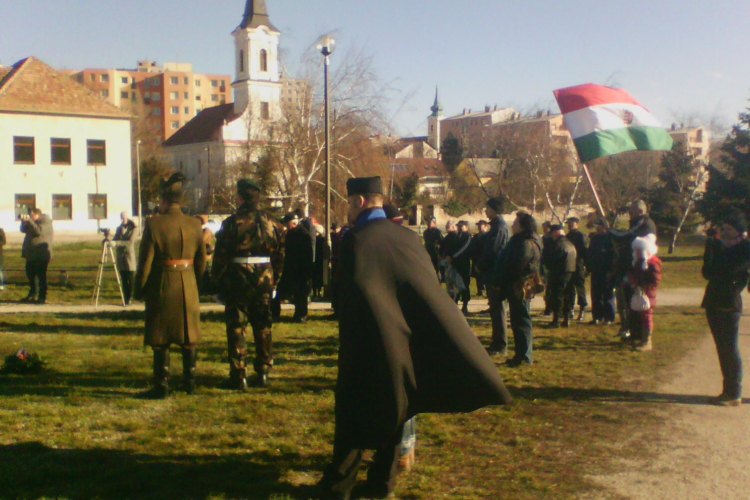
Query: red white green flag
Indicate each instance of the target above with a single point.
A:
(604, 121)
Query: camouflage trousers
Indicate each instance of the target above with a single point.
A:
(237, 317)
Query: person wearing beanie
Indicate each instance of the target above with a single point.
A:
(726, 266)
(644, 278)
(495, 242)
(246, 267)
(171, 264)
(124, 242)
(433, 240)
(404, 348)
(561, 264)
(601, 257)
(296, 276)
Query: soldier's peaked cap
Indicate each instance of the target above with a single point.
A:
(245, 185)
(364, 185)
(556, 227)
(574, 219)
(172, 189)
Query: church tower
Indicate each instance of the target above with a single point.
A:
(256, 84)
(433, 123)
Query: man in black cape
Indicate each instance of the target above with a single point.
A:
(404, 347)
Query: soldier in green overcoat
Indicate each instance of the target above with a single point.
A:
(247, 263)
(171, 263)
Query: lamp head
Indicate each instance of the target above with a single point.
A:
(326, 45)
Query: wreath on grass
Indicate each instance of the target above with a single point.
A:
(23, 362)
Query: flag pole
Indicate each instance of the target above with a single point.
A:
(593, 190)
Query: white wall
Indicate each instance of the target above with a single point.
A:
(77, 179)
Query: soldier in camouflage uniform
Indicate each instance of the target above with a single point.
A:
(247, 262)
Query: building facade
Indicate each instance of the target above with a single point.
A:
(164, 97)
(63, 149)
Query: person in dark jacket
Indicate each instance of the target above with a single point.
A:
(519, 260)
(458, 255)
(726, 266)
(433, 240)
(577, 285)
(37, 250)
(171, 264)
(124, 242)
(641, 225)
(561, 264)
(600, 261)
(495, 242)
(298, 264)
(477, 248)
(547, 245)
(404, 348)
(2, 247)
(322, 258)
(337, 234)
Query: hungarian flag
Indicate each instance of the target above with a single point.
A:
(604, 121)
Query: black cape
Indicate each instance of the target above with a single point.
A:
(405, 347)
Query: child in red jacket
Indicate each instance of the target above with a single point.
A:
(644, 277)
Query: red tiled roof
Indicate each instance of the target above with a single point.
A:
(205, 127)
(30, 86)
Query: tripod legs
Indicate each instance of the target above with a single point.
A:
(100, 273)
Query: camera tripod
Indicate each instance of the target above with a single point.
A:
(106, 245)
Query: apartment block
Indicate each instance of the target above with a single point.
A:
(166, 97)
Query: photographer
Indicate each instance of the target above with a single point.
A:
(37, 250)
(124, 242)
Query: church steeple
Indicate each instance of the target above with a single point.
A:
(436, 108)
(256, 15)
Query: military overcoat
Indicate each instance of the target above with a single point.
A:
(171, 293)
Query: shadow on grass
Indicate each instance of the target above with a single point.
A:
(609, 396)
(679, 258)
(34, 327)
(34, 471)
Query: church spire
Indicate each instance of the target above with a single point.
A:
(256, 15)
(436, 108)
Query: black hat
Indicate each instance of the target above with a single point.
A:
(463, 223)
(392, 212)
(172, 189)
(289, 217)
(245, 187)
(364, 185)
(556, 227)
(497, 204)
(482, 222)
(737, 220)
(574, 219)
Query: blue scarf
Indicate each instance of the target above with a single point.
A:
(370, 215)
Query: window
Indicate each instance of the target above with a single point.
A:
(105, 93)
(156, 96)
(214, 98)
(147, 95)
(156, 112)
(187, 110)
(124, 79)
(97, 152)
(60, 153)
(93, 77)
(175, 110)
(174, 80)
(214, 83)
(174, 95)
(80, 78)
(185, 80)
(62, 207)
(105, 78)
(133, 97)
(124, 95)
(198, 98)
(197, 83)
(175, 125)
(242, 61)
(265, 111)
(186, 95)
(23, 150)
(24, 203)
(263, 60)
(147, 83)
(97, 206)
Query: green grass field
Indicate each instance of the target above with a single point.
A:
(77, 431)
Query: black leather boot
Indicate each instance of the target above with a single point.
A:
(189, 360)
(160, 390)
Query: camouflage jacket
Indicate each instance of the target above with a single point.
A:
(248, 233)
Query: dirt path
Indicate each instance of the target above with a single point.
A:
(702, 451)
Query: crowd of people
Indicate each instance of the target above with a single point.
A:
(405, 345)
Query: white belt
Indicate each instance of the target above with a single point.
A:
(252, 260)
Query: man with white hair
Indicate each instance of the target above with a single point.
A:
(124, 241)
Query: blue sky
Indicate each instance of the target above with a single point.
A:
(676, 57)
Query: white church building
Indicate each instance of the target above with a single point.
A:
(63, 150)
(220, 135)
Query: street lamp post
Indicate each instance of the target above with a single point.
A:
(326, 45)
(138, 176)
